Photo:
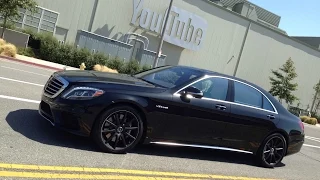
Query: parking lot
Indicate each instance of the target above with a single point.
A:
(32, 148)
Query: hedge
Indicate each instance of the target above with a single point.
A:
(309, 120)
(315, 115)
(45, 46)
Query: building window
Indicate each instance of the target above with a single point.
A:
(42, 20)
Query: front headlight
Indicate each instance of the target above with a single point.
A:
(83, 93)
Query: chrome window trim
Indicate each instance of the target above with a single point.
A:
(228, 102)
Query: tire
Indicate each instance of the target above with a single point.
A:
(270, 155)
(109, 133)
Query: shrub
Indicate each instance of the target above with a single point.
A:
(65, 56)
(116, 64)
(26, 52)
(2, 42)
(8, 50)
(131, 67)
(309, 120)
(49, 48)
(315, 115)
(103, 68)
(304, 118)
(80, 56)
(45, 46)
(313, 121)
(146, 67)
(97, 58)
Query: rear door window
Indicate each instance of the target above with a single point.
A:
(267, 105)
(246, 95)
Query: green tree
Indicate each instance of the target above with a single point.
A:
(282, 85)
(9, 10)
(316, 99)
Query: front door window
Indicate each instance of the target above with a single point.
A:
(213, 88)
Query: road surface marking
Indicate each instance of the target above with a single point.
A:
(312, 139)
(25, 71)
(154, 174)
(24, 82)
(19, 99)
(77, 176)
(28, 65)
(311, 146)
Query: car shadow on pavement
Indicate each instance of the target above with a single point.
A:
(30, 124)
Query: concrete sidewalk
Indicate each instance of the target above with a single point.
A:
(39, 63)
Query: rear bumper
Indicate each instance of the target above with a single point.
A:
(295, 144)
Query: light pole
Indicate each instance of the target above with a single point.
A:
(162, 35)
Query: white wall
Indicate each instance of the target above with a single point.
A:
(222, 42)
(73, 14)
(265, 50)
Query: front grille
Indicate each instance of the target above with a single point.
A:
(55, 86)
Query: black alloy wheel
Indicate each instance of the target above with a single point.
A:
(118, 130)
(272, 151)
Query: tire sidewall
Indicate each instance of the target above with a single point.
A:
(96, 135)
(260, 153)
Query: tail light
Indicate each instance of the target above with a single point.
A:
(301, 125)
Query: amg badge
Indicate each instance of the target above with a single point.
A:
(161, 107)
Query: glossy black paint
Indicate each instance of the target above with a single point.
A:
(168, 117)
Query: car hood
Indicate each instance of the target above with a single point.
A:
(94, 76)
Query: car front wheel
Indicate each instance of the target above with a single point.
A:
(272, 150)
(118, 130)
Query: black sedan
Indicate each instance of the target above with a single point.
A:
(172, 105)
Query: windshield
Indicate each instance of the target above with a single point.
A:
(169, 77)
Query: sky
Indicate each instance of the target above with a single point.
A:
(298, 17)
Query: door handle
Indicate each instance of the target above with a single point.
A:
(221, 107)
(271, 116)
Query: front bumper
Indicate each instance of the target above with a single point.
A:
(72, 116)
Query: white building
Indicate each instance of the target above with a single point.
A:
(202, 33)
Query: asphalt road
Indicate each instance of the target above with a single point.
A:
(26, 139)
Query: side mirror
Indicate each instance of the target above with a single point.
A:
(192, 91)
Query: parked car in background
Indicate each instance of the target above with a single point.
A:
(172, 105)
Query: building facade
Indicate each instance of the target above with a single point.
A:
(312, 41)
(243, 40)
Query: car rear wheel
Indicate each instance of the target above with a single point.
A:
(272, 151)
(118, 130)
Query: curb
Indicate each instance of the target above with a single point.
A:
(317, 125)
(30, 63)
